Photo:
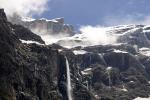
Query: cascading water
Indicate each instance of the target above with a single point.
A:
(108, 70)
(101, 56)
(69, 89)
(87, 84)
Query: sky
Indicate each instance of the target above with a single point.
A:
(90, 17)
(100, 12)
(83, 12)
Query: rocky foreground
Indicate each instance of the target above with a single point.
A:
(35, 71)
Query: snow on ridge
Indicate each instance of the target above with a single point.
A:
(139, 98)
(145, 51)
(131, 81)
(30, 42)
(109, 68)
(119, 27)
(146, 26)
(30, 19)
(86, 71)
(124, 89)
(146, 31)
(79, 52)
(98, 35)
(27, 19)
(119, 51)
(47, 20)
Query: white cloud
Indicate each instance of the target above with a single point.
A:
(98, 35)
(89, 36)
(128, 19)
(24, 7)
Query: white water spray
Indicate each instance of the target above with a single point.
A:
(101, 56)
(108, 71)
(69, 89)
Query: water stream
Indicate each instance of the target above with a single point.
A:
(101, 56)
(108, 71)
(69, 89)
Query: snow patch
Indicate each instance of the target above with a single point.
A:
(27, 19)
(79, 52)
(124, 89)
(145, 51)
(146, 31)
(139, 98)
(134, 30)
(47, 20)
(109, 68)
(30, 42)
(119, 51)
(86, 71)
(60, 50)
(131, 81)
(145, 27)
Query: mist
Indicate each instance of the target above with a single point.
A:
(24, 7)
(89, 36)
(98, 34)
(48, 36)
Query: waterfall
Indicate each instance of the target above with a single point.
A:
(101, 56)
(87, 84)
(136, 48)
(108, 71)
(69, 89)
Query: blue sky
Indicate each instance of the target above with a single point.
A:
(99, 12)
(83, 12)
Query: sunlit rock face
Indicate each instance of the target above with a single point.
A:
(44, 26)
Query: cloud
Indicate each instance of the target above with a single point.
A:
(128, 19)
(24, 7)
(89, 36)
(48, 37)
(98, 35)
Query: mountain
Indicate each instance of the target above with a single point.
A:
(44, 27)
(33, 70)
(87, 70)
(136, 35)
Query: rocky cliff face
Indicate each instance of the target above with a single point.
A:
(113, 74)
(31, 70)
(22, 76)
(43, 26)
(114, 71)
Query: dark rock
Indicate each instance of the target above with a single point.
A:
(35, 72)
(3, 17)
(26, 34)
